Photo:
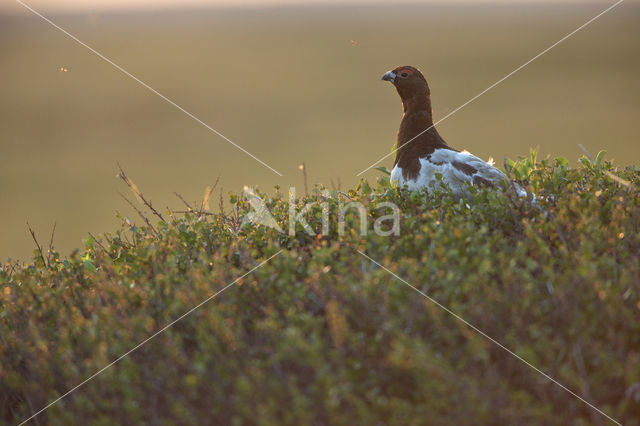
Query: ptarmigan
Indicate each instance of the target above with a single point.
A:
(422, 153)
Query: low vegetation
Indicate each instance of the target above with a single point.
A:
(322, 335)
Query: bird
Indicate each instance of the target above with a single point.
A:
(424, 161)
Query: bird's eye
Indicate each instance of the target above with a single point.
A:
(404, 74)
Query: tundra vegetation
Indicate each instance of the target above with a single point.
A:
(320, 334)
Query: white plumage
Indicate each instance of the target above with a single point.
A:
(458, 170)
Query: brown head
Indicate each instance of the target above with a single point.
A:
(417, 137)
(412, 88)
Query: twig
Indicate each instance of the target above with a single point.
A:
(122, 236)
(137, 192)
(303, 167)
(207, 194)
(235, 220)
(101, 246)
(33, 235)
(13, 268)
(221, 205)
(140, 214)
(185, 202)
(198, 213)
(618, 179)
(126, 239)
(223, 215)
(51, 243)
(342, 193)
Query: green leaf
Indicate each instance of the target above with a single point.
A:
(383, 169)
(599, 158)
(88, 265)
(561, 161)
(533, 154)
(586, 162)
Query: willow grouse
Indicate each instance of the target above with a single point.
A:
(421, 153)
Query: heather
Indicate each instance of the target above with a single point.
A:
(322, 335)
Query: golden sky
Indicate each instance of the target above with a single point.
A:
(99, 5)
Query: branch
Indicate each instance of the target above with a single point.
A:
(140, 213)
(101, 246)
(303, 167)
(342, 193)
(137, 192)
(33, 235)
(13, 268)
(207, 195)
(198, 213)
(221, 203)
(185, 202)
(51, 244)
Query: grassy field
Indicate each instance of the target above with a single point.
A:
(289, 85)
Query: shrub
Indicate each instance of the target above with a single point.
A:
(321, 335)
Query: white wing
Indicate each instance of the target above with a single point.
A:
(458, 169)
(463, 167)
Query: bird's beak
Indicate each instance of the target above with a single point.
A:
(389, 76)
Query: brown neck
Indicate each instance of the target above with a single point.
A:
(416, 101)
(417, 137)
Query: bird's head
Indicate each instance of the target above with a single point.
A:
(405, 77)
(409, 82)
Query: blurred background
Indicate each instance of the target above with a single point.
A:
(291, 82)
